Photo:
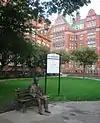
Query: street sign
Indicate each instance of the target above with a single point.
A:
(53, 63)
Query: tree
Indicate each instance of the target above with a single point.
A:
(65, 56)
(36, 58)
(85, 56)
(19, 57)
(15, 18)
(42, 52)
(65, 6)
(14, 23)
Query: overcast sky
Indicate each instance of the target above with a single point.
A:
(95, 4)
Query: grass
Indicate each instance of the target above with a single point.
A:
(71, 89)
(7, 89)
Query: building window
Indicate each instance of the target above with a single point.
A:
(58, 44)
(47, 45)
(92, 33)
(81, 37)
(91, 40)
(76, 27)
(91, 23)
(42, 31)
(43, 43)
(76, 37)
(81, 26)
(39, 42)
(70, 37)
(91, 18)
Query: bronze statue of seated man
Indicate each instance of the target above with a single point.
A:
(38, 93)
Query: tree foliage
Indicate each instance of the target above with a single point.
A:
(65, 56)
(36, 58)
(42, 52)
(16, 14)
(65, 6)
(85, 56)
(14, 21)
(15, 18)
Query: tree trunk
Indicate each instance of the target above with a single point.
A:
(91, 71)
(1, 69)
(84, 70)
(15, 65)
(34, 74)
(12, 69)
(23, 69)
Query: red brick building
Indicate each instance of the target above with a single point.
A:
(40, 33)
(82, 32)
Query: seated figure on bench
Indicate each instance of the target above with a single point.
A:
(37, 93)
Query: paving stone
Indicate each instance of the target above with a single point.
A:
(67, 112)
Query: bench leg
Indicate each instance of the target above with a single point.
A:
(18, 106)
(23, 107)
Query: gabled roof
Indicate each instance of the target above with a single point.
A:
(67, 23)
(64, 21)
(91, 12)
(81, 21)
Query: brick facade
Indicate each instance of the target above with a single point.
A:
(81, 33)
(40, 34)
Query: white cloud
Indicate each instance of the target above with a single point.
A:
(95, 4)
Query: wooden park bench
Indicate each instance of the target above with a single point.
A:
(23, 99)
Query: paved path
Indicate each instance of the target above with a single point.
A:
(70, 112)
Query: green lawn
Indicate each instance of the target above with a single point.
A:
(71, 89)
